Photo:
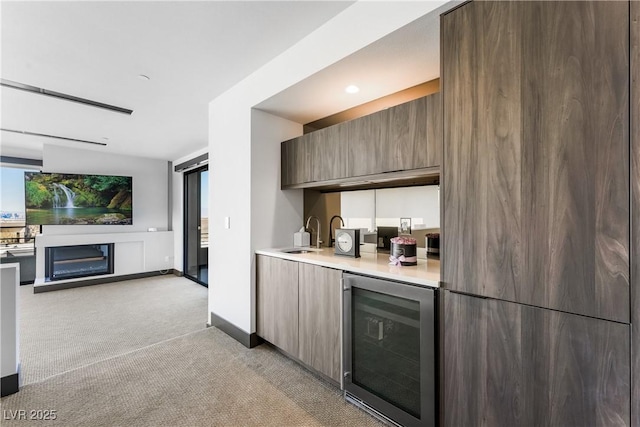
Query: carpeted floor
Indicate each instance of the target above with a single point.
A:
(198, 378)
(67, 329)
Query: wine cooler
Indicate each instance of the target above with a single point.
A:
(390, 349)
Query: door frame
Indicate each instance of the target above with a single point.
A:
(185, 233)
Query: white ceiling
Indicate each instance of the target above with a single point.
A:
(404, 58)
(193, 51)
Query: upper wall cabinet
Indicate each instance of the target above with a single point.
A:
(329, 153)
(296, 160)
(400, 138)
(369, 148)
(536, 154)
(415, 130)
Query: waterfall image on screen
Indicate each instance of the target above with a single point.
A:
(54, 198)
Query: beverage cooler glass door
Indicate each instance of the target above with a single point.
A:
(389, 349)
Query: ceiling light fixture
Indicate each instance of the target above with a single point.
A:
(44, 135)
(47, 92)
(352, 89)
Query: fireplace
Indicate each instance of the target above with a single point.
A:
(69, 262)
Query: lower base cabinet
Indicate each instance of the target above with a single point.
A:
(299, 310)
(319, 294)
(506, 364)
(277, 302)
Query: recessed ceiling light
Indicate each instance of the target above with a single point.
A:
(352, 89)
(143, 77)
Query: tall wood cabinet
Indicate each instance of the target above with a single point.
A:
(510, 364)
(635, 209)
(536, 149)
(537, 199)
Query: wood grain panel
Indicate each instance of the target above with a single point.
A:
(635, 210)
(434, 130)
(482, 172)
(575, 125)
(330, 151)
(458, 64)
(536, 194)
(277, 302)
(296, 160)
(369, 150)
(509, 364)
(320, 312)
(407, 132)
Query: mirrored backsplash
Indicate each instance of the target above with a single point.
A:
(414, 210)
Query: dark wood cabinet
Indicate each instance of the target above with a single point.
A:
(536, 154)
(507, 364)
(299, 310)
(320, 311)
(415, 129)
(407, 134)
(329, 152)
(277, 302)
(401, 138)
(635, 210)
(434, 131)
(296, 160)
(369, 149)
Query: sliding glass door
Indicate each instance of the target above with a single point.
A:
(196, 225)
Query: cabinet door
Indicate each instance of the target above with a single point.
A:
(507, 364)
(296, 160)
(277, 302)
(330, 152)
(536, 154)
(407, 130)
(434, 131)
(320, 314)
(635, 208)
(369, 149)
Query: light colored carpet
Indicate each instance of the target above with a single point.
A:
(136, 353)
(201, 379)
(67, 329)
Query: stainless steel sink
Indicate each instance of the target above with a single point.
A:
(299, 250)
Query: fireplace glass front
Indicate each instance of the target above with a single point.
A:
(68, 262)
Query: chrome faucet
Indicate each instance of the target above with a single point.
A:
(331, 239)
(318, 241)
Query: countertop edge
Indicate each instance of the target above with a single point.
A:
(344, 266)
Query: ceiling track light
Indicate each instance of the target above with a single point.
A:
(44, 135)
(64, 96)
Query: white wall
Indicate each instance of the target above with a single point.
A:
(177, 208)
(231, 140)
(150, 186)
(277, 214)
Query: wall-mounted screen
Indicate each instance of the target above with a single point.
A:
(65, 199)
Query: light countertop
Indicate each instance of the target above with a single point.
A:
(426, 273)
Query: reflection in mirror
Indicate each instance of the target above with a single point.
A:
(388, 207)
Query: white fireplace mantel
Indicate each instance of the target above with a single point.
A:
(138, 252)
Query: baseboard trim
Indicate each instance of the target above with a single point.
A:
(9, 385)
(248, 340)
(90, 282)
